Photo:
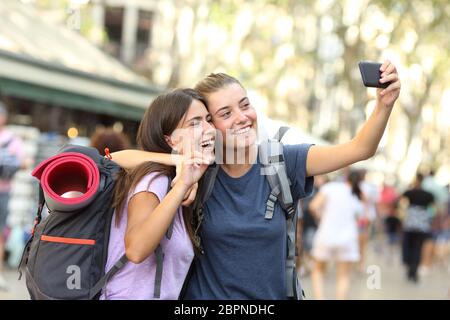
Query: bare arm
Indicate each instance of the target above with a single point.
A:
(149, 219)
(325, 159)
(129, 159)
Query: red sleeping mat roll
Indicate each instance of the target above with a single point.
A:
(70, 181)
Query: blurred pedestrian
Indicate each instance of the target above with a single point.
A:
(338, 206)
(389, 215)
(109, 138)
(307, 226)
(441, 237)
(11, 160)
(366, 220)
(440, 196)
(416, 225)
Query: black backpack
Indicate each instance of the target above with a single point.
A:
(66, 254)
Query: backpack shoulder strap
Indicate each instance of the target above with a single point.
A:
(104, 280)
(37, 220)
(206, 185)
(280, 133)
(159, 269)
(170, 229)
(101, 284)
(272, 161)
(274, 168)
(159, 253)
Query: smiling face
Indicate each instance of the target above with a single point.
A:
(233, 116)
(195, 131)
(178, 122)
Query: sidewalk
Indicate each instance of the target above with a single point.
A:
(391, 283)
(17, 289)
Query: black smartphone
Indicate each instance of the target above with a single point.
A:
(371, 74)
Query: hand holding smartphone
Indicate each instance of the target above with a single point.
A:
(371, 74)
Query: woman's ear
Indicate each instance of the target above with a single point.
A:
(168, 139)
(173, 142)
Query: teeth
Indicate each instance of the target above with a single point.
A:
(241, 131)
(208, 143)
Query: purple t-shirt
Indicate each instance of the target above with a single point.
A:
(136, 281)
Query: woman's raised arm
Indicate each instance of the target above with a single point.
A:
(129, 159)
(325, 159)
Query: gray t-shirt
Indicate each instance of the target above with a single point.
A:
(244, 252)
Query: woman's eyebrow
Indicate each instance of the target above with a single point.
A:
(195, 118)
(240, 101)
(243, 99)
(222, 109)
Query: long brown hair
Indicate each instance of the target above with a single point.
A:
(161, 119)
(354, 178)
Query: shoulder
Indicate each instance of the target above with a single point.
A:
(153, 182)
(295, 155)
(291, 150)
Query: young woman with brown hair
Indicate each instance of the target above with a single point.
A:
(145, 209)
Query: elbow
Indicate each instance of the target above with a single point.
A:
(136, 252)
(371, 153)
(133, 254)
(365, 151)
(367, 154)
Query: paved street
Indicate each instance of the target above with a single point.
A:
(391, 283)
(17, 289)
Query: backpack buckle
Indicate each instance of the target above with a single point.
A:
(290, 211)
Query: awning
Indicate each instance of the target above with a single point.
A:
(51, 64)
